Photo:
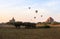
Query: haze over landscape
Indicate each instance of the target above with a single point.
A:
(20, 11)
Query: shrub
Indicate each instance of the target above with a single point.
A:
(46, 26)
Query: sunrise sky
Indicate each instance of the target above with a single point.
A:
(20, 11)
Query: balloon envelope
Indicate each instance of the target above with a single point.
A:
(36, 11)
(41, 15)
(34, 17)
(29, 7)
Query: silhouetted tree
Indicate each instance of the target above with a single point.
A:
(29, 25)
(55, 23)
(46, 26)
(17, 24)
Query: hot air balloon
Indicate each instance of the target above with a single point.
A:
(41, 15)
(29, 7)
(34, 17)
(36, 11)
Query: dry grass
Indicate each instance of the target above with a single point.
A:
(49, 33)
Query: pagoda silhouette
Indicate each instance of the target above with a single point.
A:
(49, 20)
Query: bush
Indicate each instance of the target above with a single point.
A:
(29, 25)
(46, 26)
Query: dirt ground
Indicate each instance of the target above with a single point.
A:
(13, 33)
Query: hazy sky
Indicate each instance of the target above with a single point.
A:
(19, 10)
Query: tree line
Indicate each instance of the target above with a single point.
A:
(26, 24)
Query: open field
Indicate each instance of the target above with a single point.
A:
(12, 33)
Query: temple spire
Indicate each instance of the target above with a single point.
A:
(50, 19)
(12, 20)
